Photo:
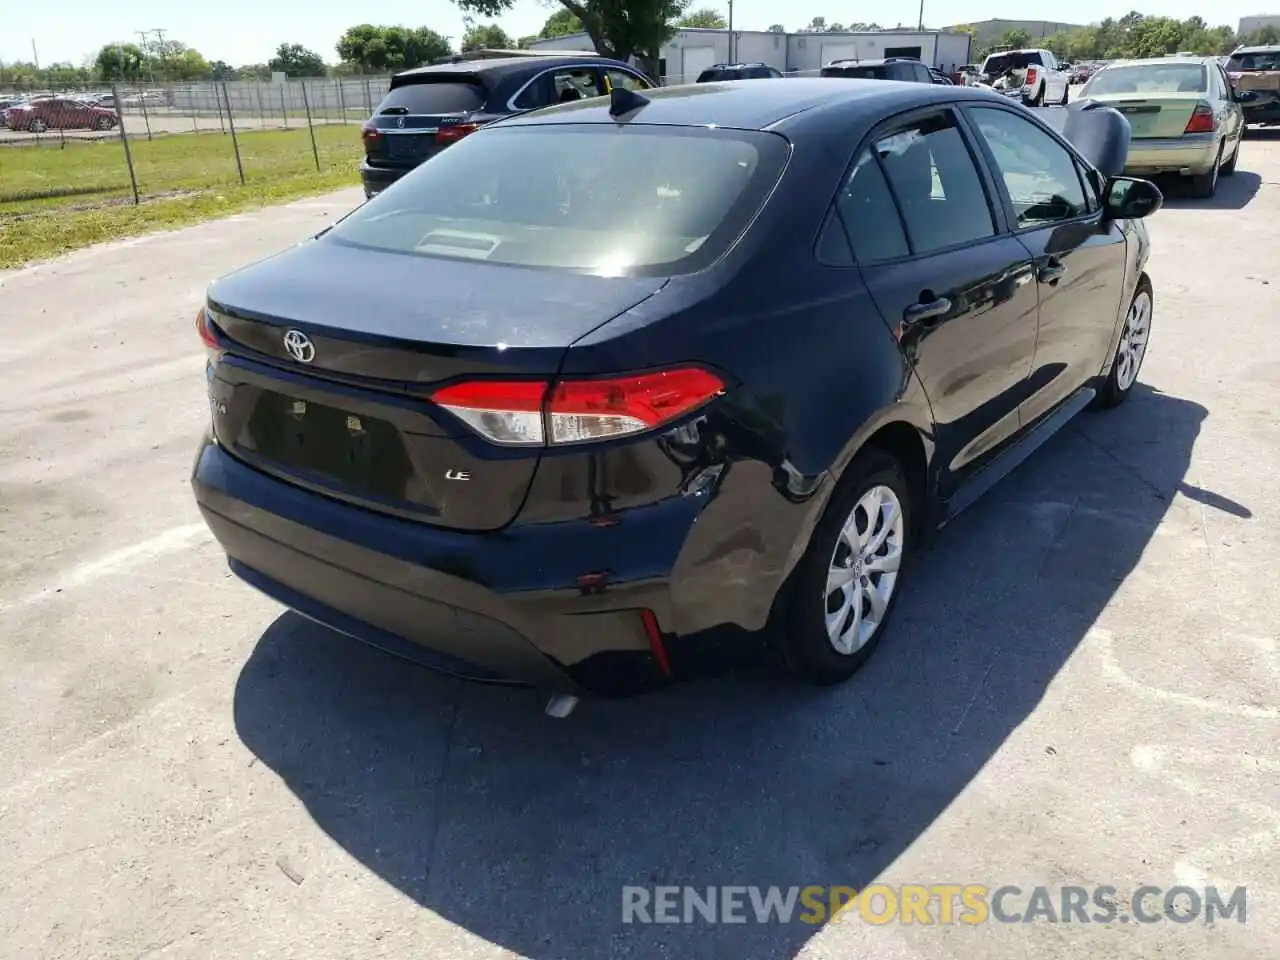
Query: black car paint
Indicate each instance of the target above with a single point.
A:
(701, 524)
(501, 81)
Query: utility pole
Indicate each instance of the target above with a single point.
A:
(731, 60)
(142, 36)
(34, 55)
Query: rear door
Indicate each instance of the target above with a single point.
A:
(413, 120)
(567, 84)
(957, 290)
(1079, 257)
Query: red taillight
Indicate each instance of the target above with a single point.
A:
(204, 328)
(370, 134)
(1031, 77)
(1201, 120)
(452, 134)
(514, 412)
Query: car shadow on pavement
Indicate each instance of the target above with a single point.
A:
(1234, 193)
(524, 830)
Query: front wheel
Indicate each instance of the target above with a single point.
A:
(104, 123)
(1131, 350)
(37, 126)
(848, 582)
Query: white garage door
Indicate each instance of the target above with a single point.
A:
(839, 51)
(696, 59)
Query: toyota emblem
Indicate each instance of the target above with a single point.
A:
(299, 346)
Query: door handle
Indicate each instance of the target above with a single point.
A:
(927, 310)
(1051, 271)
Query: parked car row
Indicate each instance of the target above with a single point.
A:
(536, 472)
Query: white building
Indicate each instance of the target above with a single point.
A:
(692, 50)
(1250, 25)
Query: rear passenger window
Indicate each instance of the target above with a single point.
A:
(936, 184)
(869, 214)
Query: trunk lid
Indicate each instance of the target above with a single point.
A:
(421, 116)
(1152, 116)
(349, 416)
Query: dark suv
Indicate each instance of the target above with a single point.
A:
(894, 68)
(428, 108)
(738, 71)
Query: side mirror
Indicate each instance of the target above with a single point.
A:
(1129, 198)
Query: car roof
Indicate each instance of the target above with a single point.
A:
(747, 105)
(1161, 61)
(501, 66)
(1263, 48)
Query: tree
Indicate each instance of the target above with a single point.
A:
(561, 23)
(295, 60)
(254, 71)
(171, 60)
(120, 61)
(1266, 35)
(221, 70)
(487, 36)
(777, 28)
(704, 17)
(380, 49)
(619, 29)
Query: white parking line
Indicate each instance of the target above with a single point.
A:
(173, 540)
(1102, 642)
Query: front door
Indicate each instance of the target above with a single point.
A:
(958, 293)
(1080, 257)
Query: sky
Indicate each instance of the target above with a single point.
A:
(248, 31)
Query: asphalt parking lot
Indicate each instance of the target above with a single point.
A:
(1082, 686)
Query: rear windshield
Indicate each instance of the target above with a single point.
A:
(437, 97)
(609, 201)
(1264, 60)
(857, 73)
(1151, 78)
(1004, 62)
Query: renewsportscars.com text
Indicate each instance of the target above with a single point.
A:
(937, 903)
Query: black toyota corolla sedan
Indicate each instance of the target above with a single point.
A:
(628, 391)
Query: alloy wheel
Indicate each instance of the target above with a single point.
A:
(863, 572)
(1133, 340)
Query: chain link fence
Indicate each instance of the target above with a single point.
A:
(104, 144)
(125, 143)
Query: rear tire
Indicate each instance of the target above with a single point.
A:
(1126, 363)
(1230, 167)
(845, 588)
(104, 123)
(1066, 95)
(1038, 99)
(1205, 185)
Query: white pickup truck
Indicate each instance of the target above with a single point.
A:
(1035, 76)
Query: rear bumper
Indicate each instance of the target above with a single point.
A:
(512, 605)
(1268, 112)
(377, 179)
(1193, 154)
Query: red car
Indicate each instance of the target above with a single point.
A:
(57, 113)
